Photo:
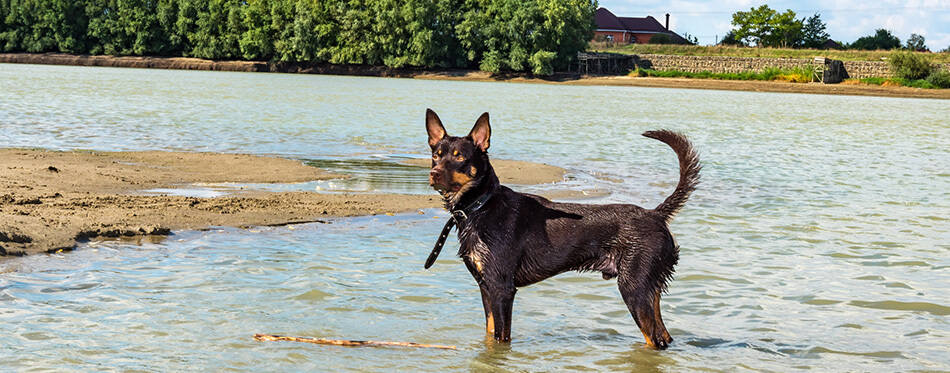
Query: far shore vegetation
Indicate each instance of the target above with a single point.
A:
(535, 37)
(910, 69)
(761, 52)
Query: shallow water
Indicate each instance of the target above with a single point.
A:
(818, 238)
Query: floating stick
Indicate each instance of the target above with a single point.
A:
(344, 342)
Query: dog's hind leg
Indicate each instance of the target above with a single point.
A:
(641, 295)
(502, 300)
(665, 334)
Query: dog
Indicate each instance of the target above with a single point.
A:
(510, 239)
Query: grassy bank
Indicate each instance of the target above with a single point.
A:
(794, 75)
(727, 51)
(895, 82)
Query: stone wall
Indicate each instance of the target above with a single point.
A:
(714, 64)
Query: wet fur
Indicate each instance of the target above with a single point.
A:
(519, 239)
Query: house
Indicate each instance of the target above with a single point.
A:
(627, 30)
(831, 44)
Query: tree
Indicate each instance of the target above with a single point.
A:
(730, 39)
(752, 27)
(690, 39)
(882, 39)
(916, 42)
(813, 32)
(764, 27)
(785, 31)
(533, 35)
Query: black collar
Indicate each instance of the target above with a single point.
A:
(458, 217)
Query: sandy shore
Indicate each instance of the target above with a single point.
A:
(184, 63)
(50, 200)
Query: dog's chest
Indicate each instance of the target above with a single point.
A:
(473, 249)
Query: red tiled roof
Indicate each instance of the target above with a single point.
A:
(605, 20)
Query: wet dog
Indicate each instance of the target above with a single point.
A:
(510, 239)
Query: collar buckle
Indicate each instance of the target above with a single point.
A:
(459, 216)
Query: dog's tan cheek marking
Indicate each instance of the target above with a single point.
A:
(460, 178)
(473, 172)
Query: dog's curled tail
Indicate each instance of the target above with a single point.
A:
(689, 171)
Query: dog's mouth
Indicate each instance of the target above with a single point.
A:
(445, 188)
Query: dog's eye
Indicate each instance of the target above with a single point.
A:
(460, 158)
(435, 157)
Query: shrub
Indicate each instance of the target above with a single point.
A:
(909, 65)
(541, 62)
(939, 78)
(660, 39)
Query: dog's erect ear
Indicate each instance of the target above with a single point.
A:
(434, 127)
(481, 133)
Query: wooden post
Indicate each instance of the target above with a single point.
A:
(344, 342)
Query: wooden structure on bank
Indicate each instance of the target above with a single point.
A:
(602, 63)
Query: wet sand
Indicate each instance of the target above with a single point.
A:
(184, 63)
(50, 200)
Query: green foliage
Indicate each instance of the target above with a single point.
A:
(796, 75)
(504, 34)
(765, 27)
(909, 65)
(881, 40)
(753, 27)
(939, 78)
(813, 33)
(731, 51)
(916, 42)
(495, 35)
(541, 62)
(660, 39)
(731, 39)
(901, 82)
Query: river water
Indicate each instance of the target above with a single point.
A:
(817, 240)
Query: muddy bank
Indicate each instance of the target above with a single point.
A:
(184, 63)
(49, 200)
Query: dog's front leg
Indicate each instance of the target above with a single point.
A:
(486, 303)
(486, 296)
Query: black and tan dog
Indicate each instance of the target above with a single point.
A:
(510, 239)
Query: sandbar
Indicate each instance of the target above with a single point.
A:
(51, 200)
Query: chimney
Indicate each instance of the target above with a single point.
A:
(667, 22)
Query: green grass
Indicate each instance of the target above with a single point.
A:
(894, 82)
(796, 75)
(728, 51)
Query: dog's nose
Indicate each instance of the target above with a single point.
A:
(435, 176)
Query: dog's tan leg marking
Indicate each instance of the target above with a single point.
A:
(659, 319)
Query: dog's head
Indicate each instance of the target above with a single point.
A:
(459, 164)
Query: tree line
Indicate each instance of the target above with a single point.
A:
(766, 27)
(492, 35)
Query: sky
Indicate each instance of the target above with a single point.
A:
(846, 20)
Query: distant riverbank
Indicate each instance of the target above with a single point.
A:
(183, 63)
